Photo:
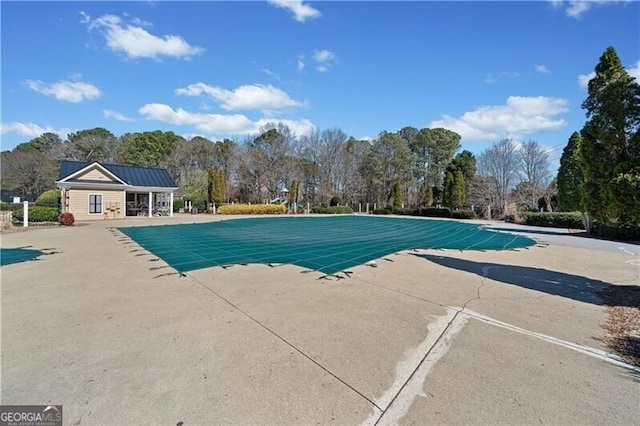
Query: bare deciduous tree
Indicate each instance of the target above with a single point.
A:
(499, 166)
(534, 169)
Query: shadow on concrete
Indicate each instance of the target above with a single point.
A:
(573, 287)
(563, 233)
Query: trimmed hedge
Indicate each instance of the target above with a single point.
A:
(463, 214)
(623, 231)
(404, 211)
(4, 206)
(382, 211)
(37, 214)
(434, 212)
(48, 198)
(252, 209)
(332, 210)
(571, 220)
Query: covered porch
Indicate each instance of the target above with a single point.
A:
(148, 203)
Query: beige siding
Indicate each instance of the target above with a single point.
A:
(95, 174)
(79, 204)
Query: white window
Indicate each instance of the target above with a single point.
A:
(95, 203)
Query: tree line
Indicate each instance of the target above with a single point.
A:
(408, 168)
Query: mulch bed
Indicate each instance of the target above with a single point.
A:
(623, 322)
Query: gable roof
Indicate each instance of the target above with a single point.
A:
(130, 175)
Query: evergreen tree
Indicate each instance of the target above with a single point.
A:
(217, 186)
(447, 189)
(457, 194)
(610, 148)
(427, 195)
(397, 196)
(570, 176)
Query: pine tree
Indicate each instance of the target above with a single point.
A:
(570, 176)
(397, 196)
(447, 189)
(610, 148)
(457, 194)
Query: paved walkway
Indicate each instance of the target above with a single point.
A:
(425, 337)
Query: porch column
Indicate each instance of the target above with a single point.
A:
(171, 204)
(150, 204)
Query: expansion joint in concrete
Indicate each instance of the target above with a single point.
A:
(292, 346)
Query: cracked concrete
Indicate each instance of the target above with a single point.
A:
(432, 337)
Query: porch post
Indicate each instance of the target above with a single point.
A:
(150, 204)
(171, 204)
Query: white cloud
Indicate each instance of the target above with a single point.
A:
(635, 72)
(520, 116)
(254, 96)
(301, 11)
(219, 124)
(494, 78)
(69, 91)
(136, 42)
(115, 115)
(577, 8)
(542, 69)
(583, 80)
(31, 130)
(270, 73)
(300, 64)
(324, 59)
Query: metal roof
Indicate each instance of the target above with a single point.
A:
(132, 175)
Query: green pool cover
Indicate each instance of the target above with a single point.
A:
(15, 255)
(325, 244)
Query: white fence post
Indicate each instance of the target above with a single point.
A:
(25, 214)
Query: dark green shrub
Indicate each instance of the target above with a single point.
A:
(331, 210)
(340, 210)
(66, 219)
(553, 220)
(435, 212)
(404, 211)
(4, 206)
(201, 205)
(463, 214)
(623, 231)
(384, 210)
(37, 214)
(49, 198)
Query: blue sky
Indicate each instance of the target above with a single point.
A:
(486, 70)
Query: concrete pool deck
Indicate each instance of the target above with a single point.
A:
(426, 337)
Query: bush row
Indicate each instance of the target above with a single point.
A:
(37, 214)
(429, 212)
(331, 210)
(571, 220)
(464, 214)
(252, 209)
(623, 231)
